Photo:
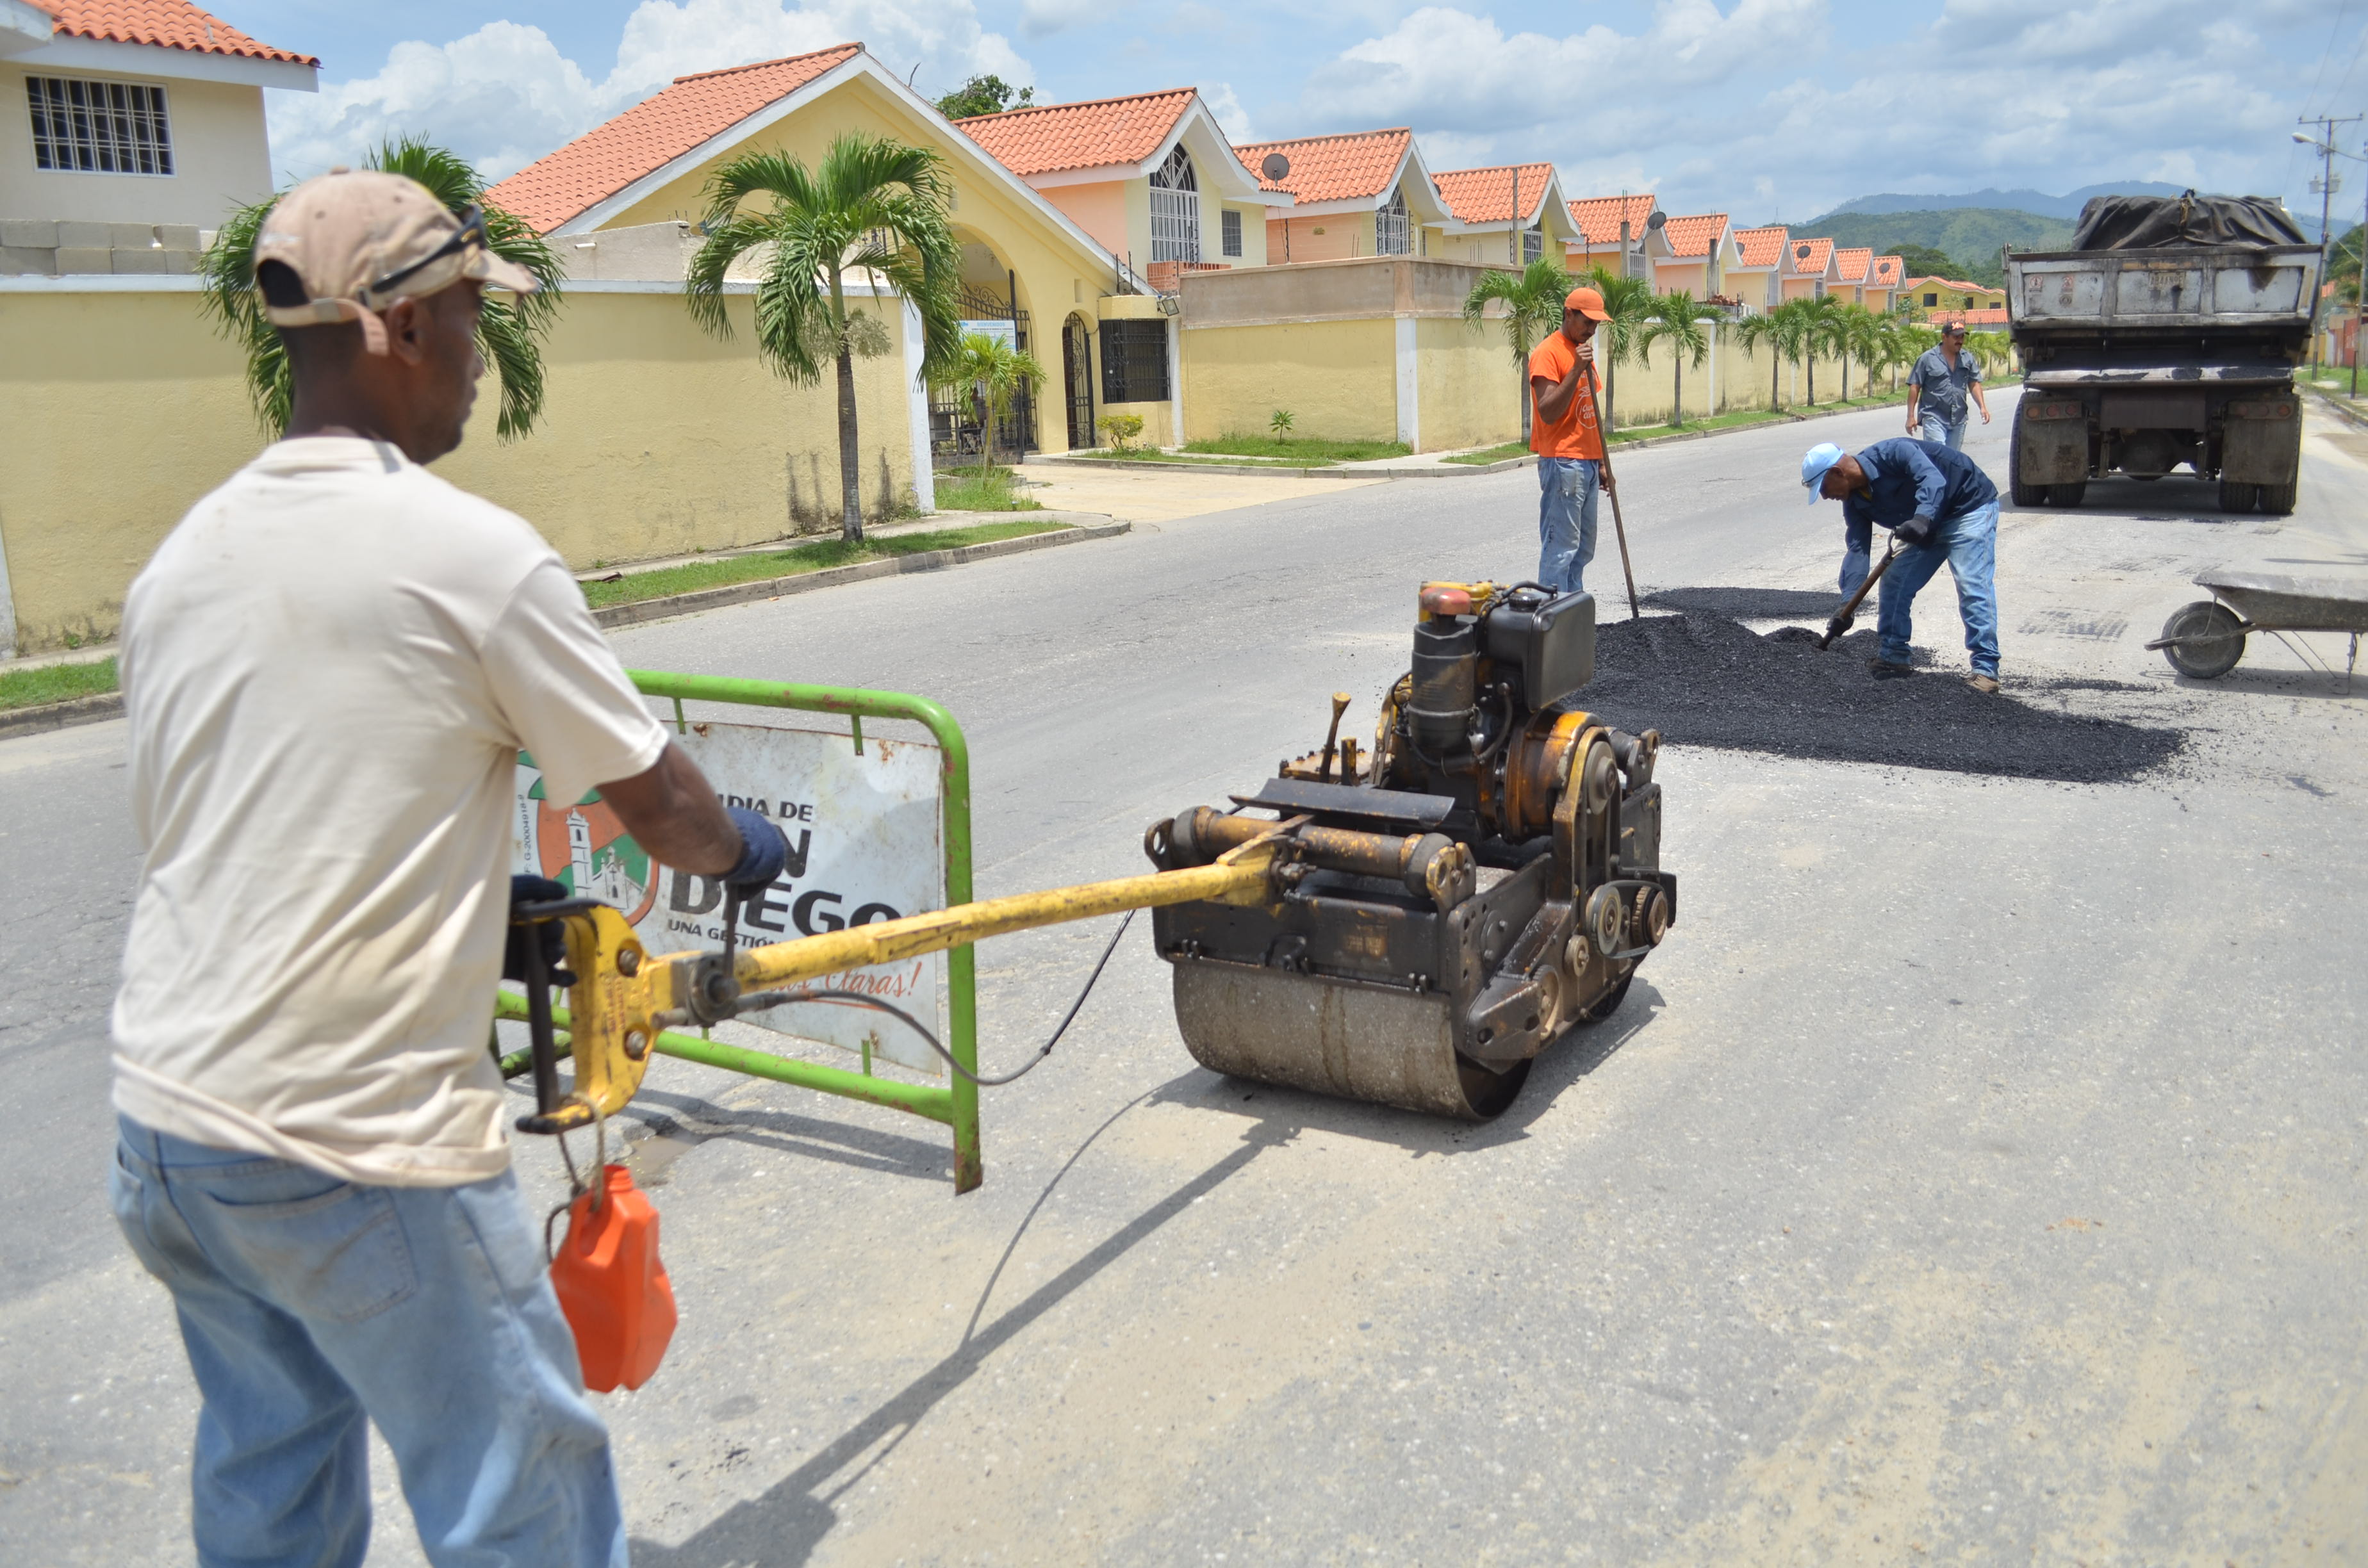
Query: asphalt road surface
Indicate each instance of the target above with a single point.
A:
(1975, 1175)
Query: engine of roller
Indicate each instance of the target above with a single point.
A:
(1481, 882)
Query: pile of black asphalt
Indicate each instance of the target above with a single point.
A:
(1704, 680)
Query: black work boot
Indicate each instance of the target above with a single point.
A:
(1883, 669)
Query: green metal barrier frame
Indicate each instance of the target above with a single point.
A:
(956, 1103)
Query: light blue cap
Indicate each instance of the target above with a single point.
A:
(1822, 456)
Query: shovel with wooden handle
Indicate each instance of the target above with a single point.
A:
(1848, 612)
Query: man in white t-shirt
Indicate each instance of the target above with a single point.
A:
(329, 668)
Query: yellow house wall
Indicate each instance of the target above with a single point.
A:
(1056, 273)
(1339, 379)
(1955, 299)
(1341, 235)
(222, 158)
(657, 439)
(1471, 389)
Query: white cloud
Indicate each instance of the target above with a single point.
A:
(1757, 101)
(503, 96)
(1231, 117)
(1042, 18)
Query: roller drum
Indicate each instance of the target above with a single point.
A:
(1356, 1042)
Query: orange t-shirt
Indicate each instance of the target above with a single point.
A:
(1574, 435)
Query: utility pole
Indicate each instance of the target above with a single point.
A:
(2326, 185)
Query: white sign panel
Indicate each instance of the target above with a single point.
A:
(863, 830)
(1008, 332)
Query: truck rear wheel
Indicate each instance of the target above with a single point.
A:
(2024, 496)
(2067, 494)
(2235, 497)
(2278, 500)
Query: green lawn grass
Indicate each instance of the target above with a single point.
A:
(55, 683)
(1154, 455)
(1490, 454)
(796, 560)
(1306, 450)
(968, 490)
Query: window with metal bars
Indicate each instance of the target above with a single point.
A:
(1175, 209)
(1391, 235)
(1533, 246)
(1229, 224)
(99, 128)
(1135, 361)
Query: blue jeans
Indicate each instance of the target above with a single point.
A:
(1566, 491)
(1932, 426)
(1969, 544)
(311, 1306)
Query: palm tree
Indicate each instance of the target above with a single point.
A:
(1861, 336)
(1532, 300)
(509, 332)
(1914, 337)
(1678, 319)
(1629, 302)
(1821, 333)
(874, 206)
(1767, 327)
(996, 369)
(1991, 350)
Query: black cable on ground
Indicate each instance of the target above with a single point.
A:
(759, 999)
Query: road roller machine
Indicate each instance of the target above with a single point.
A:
(1482, 882)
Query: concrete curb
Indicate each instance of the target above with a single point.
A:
(2353, 417)
(643, 611)
(61, 715)
(1437, 470)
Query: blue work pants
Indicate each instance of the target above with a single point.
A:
(1566, 492)
(1933, 426)
(1968, 543)
(311, 1306)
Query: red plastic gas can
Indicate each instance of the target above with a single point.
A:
(611, 1285)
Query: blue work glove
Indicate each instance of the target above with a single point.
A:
(1916, 532)
(551, 936)
(764, 852)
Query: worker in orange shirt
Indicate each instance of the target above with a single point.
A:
(1569, 447)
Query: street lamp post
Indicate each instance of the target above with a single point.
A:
(2328, 152)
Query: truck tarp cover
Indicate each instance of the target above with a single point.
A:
(2150, 222)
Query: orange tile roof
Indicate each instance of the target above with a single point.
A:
(1809, 256)
(1333, 169)
(1694, 235)
(1089, 135)
(1851, 266)
(1885, 271)
(169, 24)
(1598, 217)
(1991, 316)
(606, 159)
(1481, 195)
(1762, 248)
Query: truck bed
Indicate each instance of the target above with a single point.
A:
(2219, 290)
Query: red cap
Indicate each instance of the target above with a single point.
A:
(1445, 598)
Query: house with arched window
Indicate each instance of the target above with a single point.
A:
(1150, 177)
(1364, 193)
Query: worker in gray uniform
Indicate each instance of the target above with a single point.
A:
(1943, 378)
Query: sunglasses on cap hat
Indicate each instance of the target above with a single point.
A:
(471, 232)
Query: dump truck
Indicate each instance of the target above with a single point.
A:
(2167, 336)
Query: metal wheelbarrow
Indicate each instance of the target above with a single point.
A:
(2205, 640)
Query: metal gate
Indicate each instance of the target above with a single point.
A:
(958, 416)
(1078, 369)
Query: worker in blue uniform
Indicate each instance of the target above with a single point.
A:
(1941, 507)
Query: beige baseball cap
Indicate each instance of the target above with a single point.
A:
(360, 240)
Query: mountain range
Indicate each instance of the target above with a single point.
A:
(2066, 206)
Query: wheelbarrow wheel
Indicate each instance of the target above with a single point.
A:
(2210, 639)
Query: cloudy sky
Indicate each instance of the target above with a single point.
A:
(1767, 108)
